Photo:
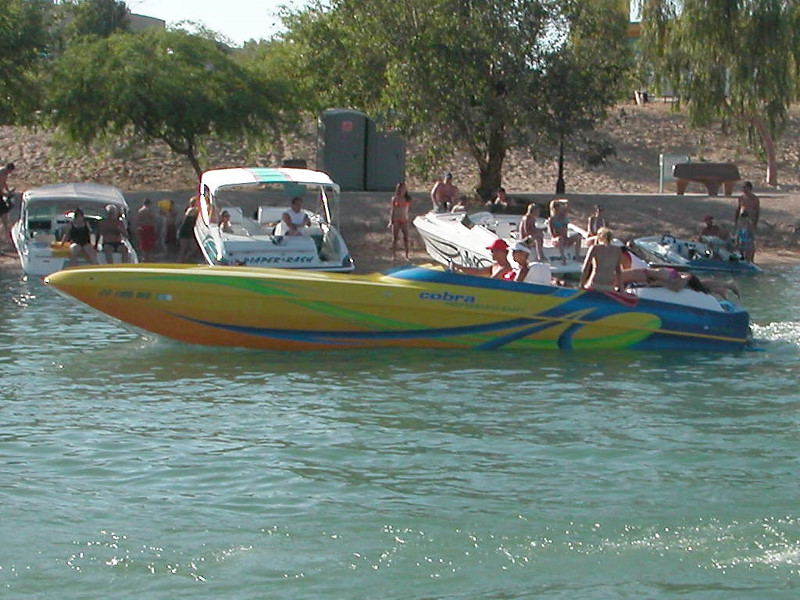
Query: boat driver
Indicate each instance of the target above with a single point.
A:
(295, 219)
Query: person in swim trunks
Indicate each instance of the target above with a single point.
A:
(112, 231)
(146, 230)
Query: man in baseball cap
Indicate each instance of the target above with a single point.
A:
(500, 267)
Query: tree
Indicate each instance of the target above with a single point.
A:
(169, 86)
(23, 40)
(96, 17)
(737, 62)
(585, 77)
(462, 74)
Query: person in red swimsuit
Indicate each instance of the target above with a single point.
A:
(398, 217)
(146, 230)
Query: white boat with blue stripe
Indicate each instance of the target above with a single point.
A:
(254, 231)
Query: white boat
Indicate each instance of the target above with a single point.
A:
(711, 254)
(255, 199)
(458, 238)
(45, 212)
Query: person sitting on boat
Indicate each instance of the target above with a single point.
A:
(78, 234)
(559, 230)
(672, 279)
(295, 219)
(602, 268)
(460, 206)
(519, 254)
(501, 202)
(710, 229)
(111, 230)
(225, 222)
(529, 233)
(499, 267)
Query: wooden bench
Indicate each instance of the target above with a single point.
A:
(712, 175)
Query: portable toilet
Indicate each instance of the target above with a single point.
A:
(385, 159)
(341, 140)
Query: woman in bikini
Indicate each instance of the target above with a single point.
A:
(398, 217)
(602, 268)
(559, 230)
(529, 233)
(78, 234)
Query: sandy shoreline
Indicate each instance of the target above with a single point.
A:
(363, 221)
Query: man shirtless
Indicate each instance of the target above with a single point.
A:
(749, 207)
(749, 202)
(444, 194)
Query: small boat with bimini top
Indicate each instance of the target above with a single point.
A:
(46, 211)
(254, 231)
(287, 309)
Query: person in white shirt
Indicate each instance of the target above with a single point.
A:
(295, 219)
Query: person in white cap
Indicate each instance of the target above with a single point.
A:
(519, 254)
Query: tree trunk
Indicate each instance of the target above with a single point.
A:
(490, 167)
(195, 163)
(769, 148)
(561, 186)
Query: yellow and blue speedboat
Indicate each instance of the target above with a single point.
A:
(409, 307)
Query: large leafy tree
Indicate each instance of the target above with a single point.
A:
(96, 17)
(23, 40)
(470, 75)
(733, 61)
(170, 86)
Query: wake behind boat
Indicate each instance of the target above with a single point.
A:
(284, 309)
(255, 200)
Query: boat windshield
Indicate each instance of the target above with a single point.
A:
(47, 209)
(317, 199)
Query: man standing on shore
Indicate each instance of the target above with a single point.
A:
(749, 207)
(444, 194)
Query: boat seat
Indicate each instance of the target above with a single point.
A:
(269, 214)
